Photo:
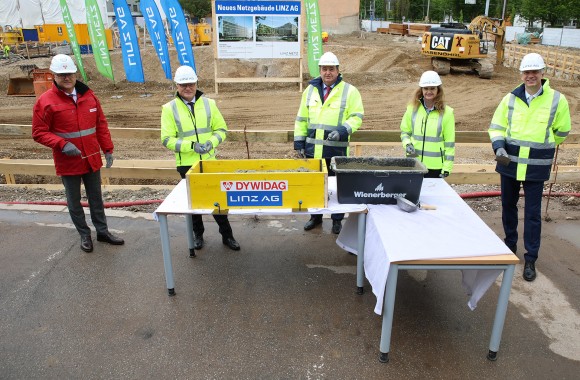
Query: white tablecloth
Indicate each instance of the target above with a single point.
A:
(452, 230)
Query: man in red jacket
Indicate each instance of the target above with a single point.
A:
(69, 119)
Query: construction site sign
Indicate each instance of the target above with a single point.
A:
(258, 29)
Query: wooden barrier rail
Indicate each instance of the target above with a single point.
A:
(560, 63)
(165, 169)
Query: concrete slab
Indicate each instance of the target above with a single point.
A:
(282, 307)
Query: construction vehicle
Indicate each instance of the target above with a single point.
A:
(10, 36)
(459, 47)
(200, 34)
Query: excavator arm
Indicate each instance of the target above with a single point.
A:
(486, 25)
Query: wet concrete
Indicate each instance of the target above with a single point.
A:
(282, 307)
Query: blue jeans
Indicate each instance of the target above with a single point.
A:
(510, 193)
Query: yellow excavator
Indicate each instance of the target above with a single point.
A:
(459, 47)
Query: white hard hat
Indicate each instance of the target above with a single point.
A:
(185, 74)
(62, 64)
(532, 61)
(328, 59)
(430, 79)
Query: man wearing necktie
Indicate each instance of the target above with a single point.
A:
(69, 119)
(527, 126)
(192, 126)
(330, 111)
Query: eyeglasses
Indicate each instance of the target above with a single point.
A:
(65, 75)
(186, 85)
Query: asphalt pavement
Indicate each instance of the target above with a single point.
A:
(283, 307)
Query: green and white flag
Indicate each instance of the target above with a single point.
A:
(98, 39)
(314, 36)
(72, 35)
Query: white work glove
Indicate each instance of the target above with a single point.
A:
(410, 150)
(333, 136)
(109, 159)
(300, 153)
(70, 150)
(502, 157)
(198, 148)
(208, 146)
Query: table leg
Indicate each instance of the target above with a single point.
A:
(388, 312)
(500, 312)
(189, 232)
(167, 265)
(362, 227)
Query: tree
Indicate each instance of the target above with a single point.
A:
(196, 8)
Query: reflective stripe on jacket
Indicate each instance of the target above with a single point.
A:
(432, 134)
(57, 119)
(180, 127)
(342, 111)
(530, 134)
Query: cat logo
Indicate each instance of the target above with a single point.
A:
(441, 42)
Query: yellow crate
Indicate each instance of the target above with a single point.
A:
(242, 184)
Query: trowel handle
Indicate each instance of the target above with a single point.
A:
(428, 207)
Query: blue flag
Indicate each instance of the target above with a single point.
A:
(157, 33)
(129, 42)
(179, 32)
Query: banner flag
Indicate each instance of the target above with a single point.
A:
(72, 35)
(98, 39)
(157, 33)
(179, 32)
(129, 42)
(314, 36)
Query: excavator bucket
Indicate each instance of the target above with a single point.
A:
(20, 87)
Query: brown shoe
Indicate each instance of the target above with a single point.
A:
(86, 243)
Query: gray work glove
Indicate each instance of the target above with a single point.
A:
(410, 150)
(333, 136)
(502, 157)
(109, 159)
(208, 146)
(300, 153)
(444, 174)
(70, 150)
(198, 148)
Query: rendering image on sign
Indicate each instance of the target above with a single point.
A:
(258, 29)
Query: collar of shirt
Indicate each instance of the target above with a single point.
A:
(530, 97)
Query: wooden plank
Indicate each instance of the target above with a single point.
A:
(259, 80)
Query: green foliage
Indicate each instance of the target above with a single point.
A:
(196, 8)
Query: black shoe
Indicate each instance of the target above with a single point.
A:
(336, 226)
(110, 238)
(231, 243)
(198, 242)
(86, 243)
(313, 222)
(529, 271)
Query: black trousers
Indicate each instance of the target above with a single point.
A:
(337, 217)
(222, 221)
(92, 183)
(510, 194)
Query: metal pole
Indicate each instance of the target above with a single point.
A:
(487, 7)
(503, 11)
(428, 4)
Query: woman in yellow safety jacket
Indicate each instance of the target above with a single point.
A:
(428, 127)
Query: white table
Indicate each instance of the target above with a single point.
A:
(450, 237)
(176, 204)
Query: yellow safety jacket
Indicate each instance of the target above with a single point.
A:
(530, 134)
(180, 127)
(432, 134)
(342, 111)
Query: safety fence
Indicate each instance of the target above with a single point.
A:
(559, 63)
(164, 170)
